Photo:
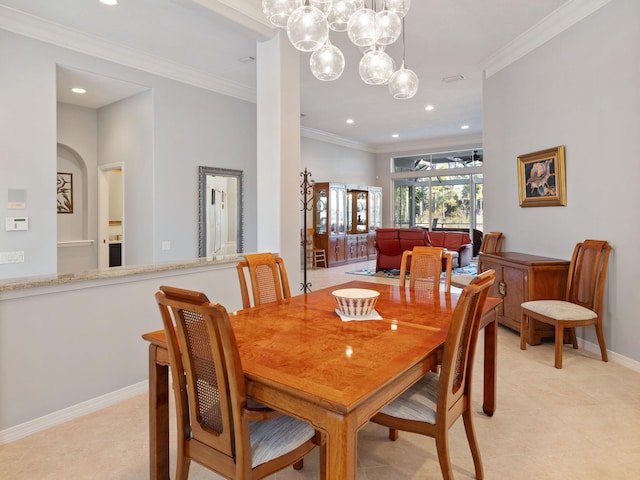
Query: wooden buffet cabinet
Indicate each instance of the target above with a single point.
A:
(521, 277)
(345, 218)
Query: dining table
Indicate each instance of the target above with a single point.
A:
(300, 357)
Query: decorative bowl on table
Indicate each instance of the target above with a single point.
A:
(355, 302)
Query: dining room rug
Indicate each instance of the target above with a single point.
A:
(470, 269)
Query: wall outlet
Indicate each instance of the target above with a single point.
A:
(166, 245)
(11, 257)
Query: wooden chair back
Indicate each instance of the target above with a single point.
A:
(492, 242)
(268, 276)
(426, 267)
(587, 274)
(459, 348)
(207, 376)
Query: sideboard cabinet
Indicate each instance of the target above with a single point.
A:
(345, 218)
(521, 277)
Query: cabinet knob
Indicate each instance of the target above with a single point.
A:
(502, 288)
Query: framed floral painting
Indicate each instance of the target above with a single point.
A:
(65, 192)
(541, 181)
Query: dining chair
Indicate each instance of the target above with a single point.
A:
(491, 243)
(268, 277)
(217, 425)
(436, 401)
(316, 255)
(425, 265)
(582, 305)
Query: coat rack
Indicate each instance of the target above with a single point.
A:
(306, 191)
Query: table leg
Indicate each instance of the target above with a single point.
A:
(341, 447)
(158, 417)
(490, 363)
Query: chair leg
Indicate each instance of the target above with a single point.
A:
(523, 331)
(393, 434)
(182, 467)
(473, 444)
(442, 446)
(603, 347)
(299, 465)
(574, 339)
(559, 343)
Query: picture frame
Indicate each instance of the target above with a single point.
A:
(65, 192)
(541, 178)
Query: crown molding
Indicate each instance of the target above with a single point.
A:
(335, 139)
(553, 24)
(59, 35)
(432, 145)
(242, 12)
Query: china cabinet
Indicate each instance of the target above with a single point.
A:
(345, 219)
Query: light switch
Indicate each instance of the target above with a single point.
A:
(16, 223)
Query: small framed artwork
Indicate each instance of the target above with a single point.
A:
(65, 192)
(541, 181)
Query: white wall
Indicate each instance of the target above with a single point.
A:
(66, 344)
(125, 135)
(580, 90)
(187, 127)
(328, 162)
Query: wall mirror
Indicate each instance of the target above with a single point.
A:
(220, 212)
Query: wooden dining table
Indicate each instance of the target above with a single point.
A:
(300, 357)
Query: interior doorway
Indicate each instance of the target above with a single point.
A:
(111, 221)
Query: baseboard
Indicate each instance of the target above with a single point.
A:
(613, 356)
(61, 416)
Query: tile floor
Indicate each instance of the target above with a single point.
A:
(581, 422)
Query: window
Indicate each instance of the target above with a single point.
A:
(441, 191)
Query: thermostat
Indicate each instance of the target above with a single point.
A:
(16, 223)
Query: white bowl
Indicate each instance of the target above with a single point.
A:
(356, 302)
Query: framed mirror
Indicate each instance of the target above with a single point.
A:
(219, 212)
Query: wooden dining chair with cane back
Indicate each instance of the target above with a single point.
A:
(217, 425)
(583, 301)
(425, 265)
(436, 401)
(268, 277)
(491, 243)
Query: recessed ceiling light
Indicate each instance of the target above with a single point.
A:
(395, 135)
(78, 90)
(350, 120)
(111, 3)
(429, 108)
(464, 127)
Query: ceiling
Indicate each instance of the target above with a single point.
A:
(444, 38)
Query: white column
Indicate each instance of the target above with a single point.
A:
(278, 168)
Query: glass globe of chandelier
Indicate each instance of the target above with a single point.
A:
(370, 25)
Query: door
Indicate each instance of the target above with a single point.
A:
(110, 213)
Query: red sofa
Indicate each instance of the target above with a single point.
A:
(391, 242)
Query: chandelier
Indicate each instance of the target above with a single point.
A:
(308, 23)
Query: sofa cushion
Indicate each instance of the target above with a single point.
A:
(455, 240)
(437, 239)
(412, 237)
(387, 241)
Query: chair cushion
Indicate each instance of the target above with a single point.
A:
(418, 403)
(559, 310)
(273, 438)
(463, 279)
